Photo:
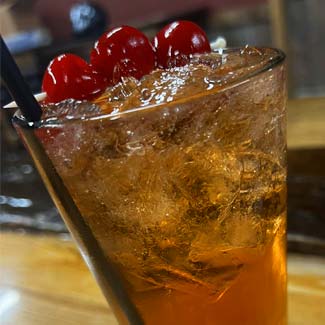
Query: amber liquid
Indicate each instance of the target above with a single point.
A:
(257, 296)
(188, 201)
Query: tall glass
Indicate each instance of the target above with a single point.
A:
(179, 209)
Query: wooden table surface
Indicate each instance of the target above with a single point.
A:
(306, 123)
(43, 279)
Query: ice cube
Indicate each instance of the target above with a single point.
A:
(216, 248)
(211, 283)
(70, 108)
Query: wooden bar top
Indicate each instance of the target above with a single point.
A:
(306, 123)
(43, 280)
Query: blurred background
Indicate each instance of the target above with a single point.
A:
(37, 30)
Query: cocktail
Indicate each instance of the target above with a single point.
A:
(174, 187)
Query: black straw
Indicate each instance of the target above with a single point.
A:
(17, 86)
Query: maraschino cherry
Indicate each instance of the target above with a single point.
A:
(177, 41)
(69, 76)
(123, 52)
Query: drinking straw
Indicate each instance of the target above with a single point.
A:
(17, 86)
(104, 269)
(106, 274)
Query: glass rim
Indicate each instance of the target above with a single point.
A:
(270, 63)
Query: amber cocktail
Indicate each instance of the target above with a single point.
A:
(179, 181)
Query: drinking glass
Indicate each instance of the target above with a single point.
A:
(179, 208)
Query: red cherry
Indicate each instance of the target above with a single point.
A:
(122, 52)
(69, 76)
(177, 41)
